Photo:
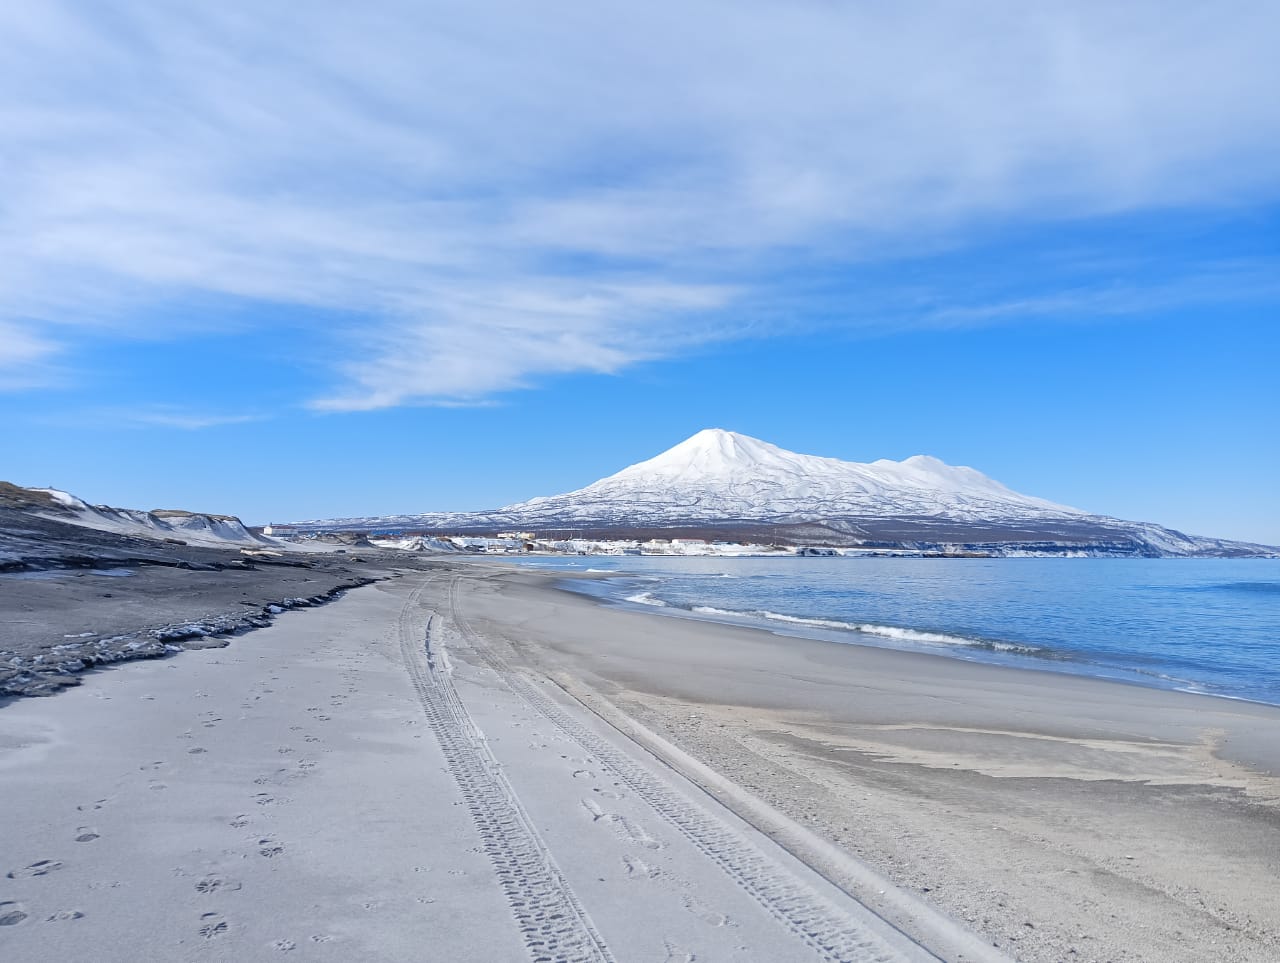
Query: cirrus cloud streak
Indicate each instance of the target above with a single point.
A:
(499, 193)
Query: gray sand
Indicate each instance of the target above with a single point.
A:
(552, 778)
(329, 788)
(1063, 817)
(56, 622)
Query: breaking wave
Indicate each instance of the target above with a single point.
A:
(894, 632)
(1042, 613)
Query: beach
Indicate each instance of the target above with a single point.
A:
(64, 614)
(465, 762)
(1063, 817)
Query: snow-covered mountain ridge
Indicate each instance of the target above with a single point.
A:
(722, 475)
(722, 482)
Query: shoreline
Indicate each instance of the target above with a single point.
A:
(683, 779)
(1062, 816)
(945, 658)
(332, 785)
(977, 649)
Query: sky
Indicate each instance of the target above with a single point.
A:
(310, 261)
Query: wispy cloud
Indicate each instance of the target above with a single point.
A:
(22, 346)
(1224, 283)
(501, 193)
(24, 356)
(184, 420)
(462, 348)
(148, 416)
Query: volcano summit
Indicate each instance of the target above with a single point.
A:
(721, 484)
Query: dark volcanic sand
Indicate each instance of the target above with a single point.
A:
(72, 598)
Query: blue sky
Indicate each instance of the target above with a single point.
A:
(414, 257)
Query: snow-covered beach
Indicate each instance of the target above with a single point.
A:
(466, 763)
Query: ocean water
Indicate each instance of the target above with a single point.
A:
(1210, 625)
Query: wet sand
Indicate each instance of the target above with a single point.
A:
(1064, 818)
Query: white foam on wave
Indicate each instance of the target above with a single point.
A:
(894, 632)
(646, 598)
(816, 623)
(780, 617)
(916, 635)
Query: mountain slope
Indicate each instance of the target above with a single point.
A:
(721, 475)
(723, 484)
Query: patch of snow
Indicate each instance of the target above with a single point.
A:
(61, 497)
(190, 527)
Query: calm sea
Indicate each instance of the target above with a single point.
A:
(1208, 625)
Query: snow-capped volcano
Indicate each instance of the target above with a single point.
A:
(722, 485)
(722, 475)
